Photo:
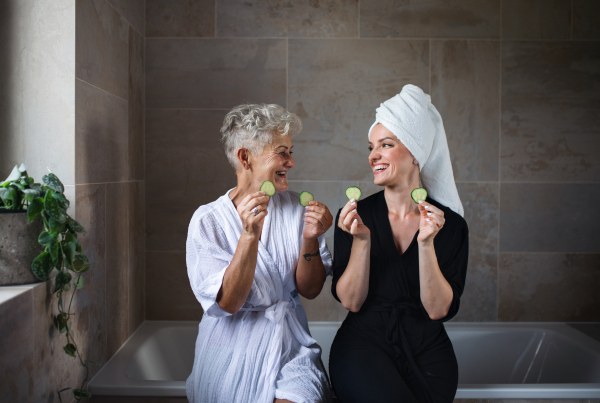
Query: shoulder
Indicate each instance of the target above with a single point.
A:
(454, 221)
(208, 217)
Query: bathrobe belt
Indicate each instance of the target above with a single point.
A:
(395, 330)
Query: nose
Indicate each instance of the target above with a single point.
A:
(374, 156)
(290, 163)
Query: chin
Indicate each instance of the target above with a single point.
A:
(281, 185)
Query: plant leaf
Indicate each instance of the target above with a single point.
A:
(78, 249)
(61, 322)
(61, 279)
(62, 200)
(31, 194)
(11, 199)
(42, 266)
(80, 393)
(23, 167)
(80, 264)
(46, 238)
(18, 186)
(35, 208)
(54, 249)
(56, 227)
(71, 238)
(15, 174)
(53, 208)
(70, 349)
(53, 182)
(78, 283)
(74, 225)
(69, 250)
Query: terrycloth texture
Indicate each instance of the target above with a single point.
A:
(412, 118)
(265, 351)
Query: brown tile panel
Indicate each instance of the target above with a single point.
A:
(169, 295)
(324, 307)
(101, 54)
(137, 254)
(187, 168)
(180, 18)
(135, 106)
(133, 11)
(101, 150)
(550, 103)
(298, 18)
(430, 19)
(465, 88)
(117, 264)
(548, 287)
(17, 366)
(478, 302)
(536, 19)
(549, 217)
(216, 73)
(335, 87)
(586, 20)
(481, 204)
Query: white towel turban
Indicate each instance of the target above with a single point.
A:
(412, 118)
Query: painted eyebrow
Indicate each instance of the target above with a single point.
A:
(283, 147)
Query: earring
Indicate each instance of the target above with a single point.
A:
(416, 162)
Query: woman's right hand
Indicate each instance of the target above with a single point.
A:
(252, 223)
(351, 222)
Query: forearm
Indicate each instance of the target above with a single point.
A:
(239, 275)
(436, 293)
(310, 273)
(353, 286)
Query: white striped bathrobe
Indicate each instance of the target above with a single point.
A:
(264, 351)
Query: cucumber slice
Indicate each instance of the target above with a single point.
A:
(418, 194)
(268, 188)
(306, 198)
(353, 193)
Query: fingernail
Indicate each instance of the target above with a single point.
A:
(429, 213)
(420, 201)
(355, 220)
(428, 219)
(354, 211)
(427, 207)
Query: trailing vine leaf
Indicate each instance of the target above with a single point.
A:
(62, 200)
(53, 182)
(15, 174)
(78, 283)
(46, 238)
(31, 194)
(80, 264)
(80, 393)
(71, 238)
(54, 249)
(56, 226)
(42, 266)
(53, 208)
(61, 322)
(70, 349)
(11, 198)
(74, 225)
(35, 208)
(61, 279)
(69, 251)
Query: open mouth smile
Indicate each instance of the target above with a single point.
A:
(379, 168)
(280, 174)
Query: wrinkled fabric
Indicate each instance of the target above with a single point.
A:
(412, 118)
(265, 350)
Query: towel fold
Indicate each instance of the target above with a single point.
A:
(412, 118)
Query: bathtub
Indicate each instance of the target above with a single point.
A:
(496, 360)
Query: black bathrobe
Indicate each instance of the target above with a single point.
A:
(390, 350)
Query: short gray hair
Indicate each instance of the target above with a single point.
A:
(254, 126)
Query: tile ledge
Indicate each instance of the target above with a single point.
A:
(8, 292)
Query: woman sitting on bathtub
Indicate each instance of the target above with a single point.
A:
(248, 257)
(400, 267)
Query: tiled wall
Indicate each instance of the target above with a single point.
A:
(93, 52)
(516, 81)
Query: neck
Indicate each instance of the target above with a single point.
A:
(245, 186)
(398, 199)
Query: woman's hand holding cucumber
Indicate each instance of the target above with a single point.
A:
(351, 222)
(431, 222)
(318, 220)
(252, 211)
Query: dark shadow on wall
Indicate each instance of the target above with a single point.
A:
(6, 69)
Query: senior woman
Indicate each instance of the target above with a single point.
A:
(400, 267)
(248, 257)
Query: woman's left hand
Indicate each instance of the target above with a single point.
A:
(431, 222)
(318, 219)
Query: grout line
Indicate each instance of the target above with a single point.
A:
(144, 181)
(216, 5)
(105, 278)
(499, 170)
(92, 85)
(501, 11)
(125, 18)
(358, 18)
(104, 183)
(572, 19)
(430, 46)
(334, 38)
(287, 73)
(190, 109)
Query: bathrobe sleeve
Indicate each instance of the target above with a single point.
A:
(207, 259)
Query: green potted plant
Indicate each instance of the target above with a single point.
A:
(59, 248)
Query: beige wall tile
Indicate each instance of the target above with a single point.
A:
(298, 18)
(324, 307)
(548, 287)
(550, 103)
(184, 151)
(16, 349)
(102, 47)
(133, 11)
(536, 19)
(117, 263)
(548, 217)
(465, 89)
(169, 295)
(135, 106)
(586, 20)
(214, 73)
(180, 18)
(137, 254)
(101, 139)
(430, 19)
(478, 302)
(335, 87)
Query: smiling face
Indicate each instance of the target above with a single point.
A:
(274, 163)
(390, 160)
